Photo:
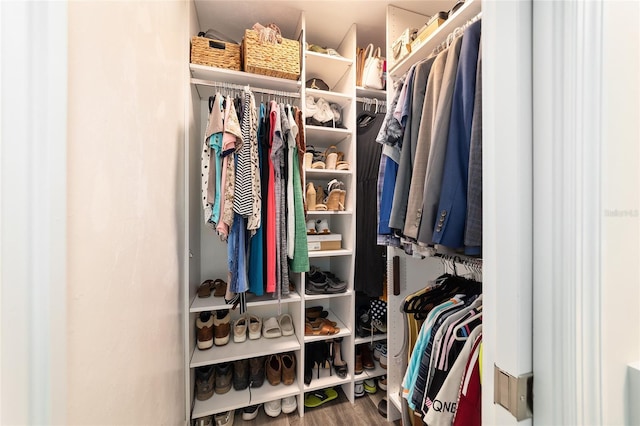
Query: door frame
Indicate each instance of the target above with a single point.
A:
(567, 141)
(33, 213)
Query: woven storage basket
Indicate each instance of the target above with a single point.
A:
(275, 60)
(214, 53)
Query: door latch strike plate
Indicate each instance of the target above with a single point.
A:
(513, 393)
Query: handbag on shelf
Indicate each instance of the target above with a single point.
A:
(372, 75)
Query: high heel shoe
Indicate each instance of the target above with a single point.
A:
(336, 358)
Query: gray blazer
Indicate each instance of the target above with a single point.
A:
(473, 227)
(405, 168)
(423, 143)
(440, 133)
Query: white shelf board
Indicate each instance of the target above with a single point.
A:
(376, 372)
(468, 10)
(248, 349)
(266, 392)
(326, 174)
(344, 331)
(326, 135)
(326, 379)
(395, 400)
(202, 304)
(363, 92)
(376, 337)
(331, 97)
(222, 75)
(329, 69)
(329, 212)
(233, 399)
(314, 297)
(330, 253)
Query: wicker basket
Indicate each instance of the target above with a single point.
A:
(275, 60)
(214, 53)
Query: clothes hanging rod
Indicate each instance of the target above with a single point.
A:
(474, 262)
(457, 32)
(239, 87)
(371, 100)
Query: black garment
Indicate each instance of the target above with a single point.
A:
(264, 130)
(370, 258)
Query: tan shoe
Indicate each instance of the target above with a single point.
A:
(274, 369)
(222, 327)
(288, 368)
(311, 196)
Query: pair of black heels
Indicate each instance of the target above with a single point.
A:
(324, 355)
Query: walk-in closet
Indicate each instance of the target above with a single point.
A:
(298, 212)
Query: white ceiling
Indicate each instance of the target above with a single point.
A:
(327, 21)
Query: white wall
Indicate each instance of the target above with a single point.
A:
(621, 203)
(127, 65)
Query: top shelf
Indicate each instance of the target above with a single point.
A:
(468, 10)
(201, 74)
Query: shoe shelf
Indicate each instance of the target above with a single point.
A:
(313, 297)
(202, 304)
(326, 379)
(363, 92)
(344, 331)
(395, 399)
(328, 135)
(331, 97)
(376, 372)
(330, 253)
(202, 76)
(328, 212)
(234, 399)
(329, 68)
(376, 338)
(233, 351)
(326, 173)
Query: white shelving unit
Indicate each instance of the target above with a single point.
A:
(207, 255)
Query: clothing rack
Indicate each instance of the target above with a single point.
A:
(380, 106)
(457, 32)
(239, 88)
(473, 263)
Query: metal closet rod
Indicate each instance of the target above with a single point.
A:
(239, 87)
(473, 262)
(457, 32)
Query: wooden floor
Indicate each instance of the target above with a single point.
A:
(336, 412)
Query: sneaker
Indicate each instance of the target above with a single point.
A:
(382, 408)
(370, 386)
(203, 421)
(222, 327)
(322, 226)
(241, 374)
(376, 350)
(251, 412)
(205, 379)
(240, 329)
(359, 389)
(383, 356)
(311, 227)
(204, 325)
(382, 383)
(256, 371)
(289, 404)
(225, 419)
(273, 408)
(224, 375)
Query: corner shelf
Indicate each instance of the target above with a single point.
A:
(326, 173)
(328, 212)
(330, 253)
(363, 92)
(314, 297)
(376, 338)
(331, 97)
(468, 10)
(326, 379)
(327, 135)
(344, 331)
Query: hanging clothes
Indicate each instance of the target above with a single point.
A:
(452, 207)
(256, 246)
(300, 259)
(369, 257)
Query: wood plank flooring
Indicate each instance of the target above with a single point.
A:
(337, 412)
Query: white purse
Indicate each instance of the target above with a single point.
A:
(372, 76)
